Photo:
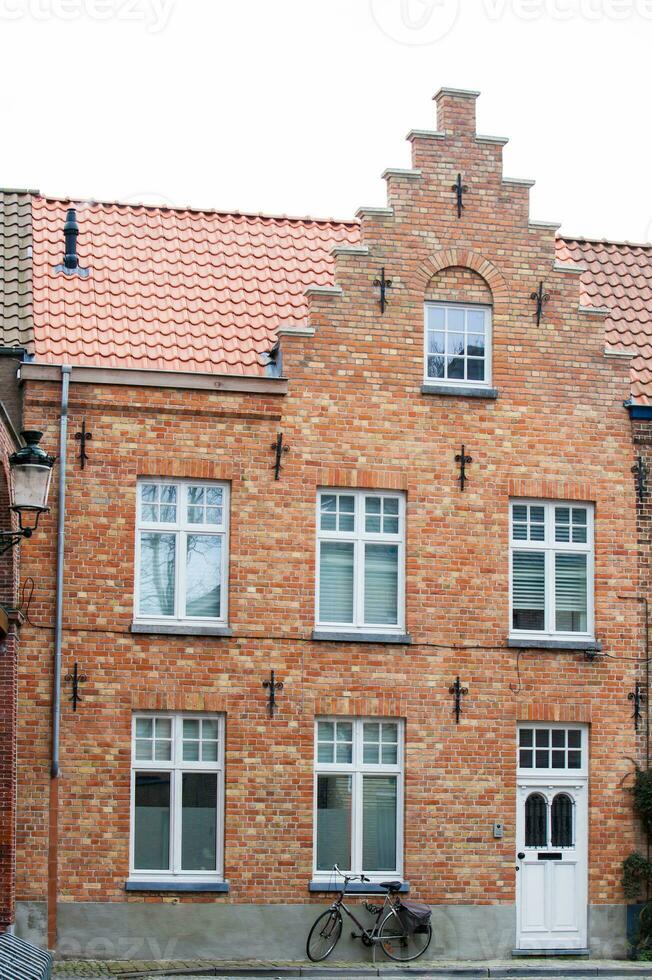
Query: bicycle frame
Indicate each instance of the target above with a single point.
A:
(371, 934)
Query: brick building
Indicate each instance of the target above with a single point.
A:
(175, 813)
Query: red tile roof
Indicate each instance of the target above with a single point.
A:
(175, 290)
(619, 276)
(206, 291)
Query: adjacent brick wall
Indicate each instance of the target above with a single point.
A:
(354, 416)
(8, 697)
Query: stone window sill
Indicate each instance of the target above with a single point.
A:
(181, 629)
(170, 885)
(546, 644)
(335, 637)
(355, 887)
(459, 391)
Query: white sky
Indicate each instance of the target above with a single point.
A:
(297, 106)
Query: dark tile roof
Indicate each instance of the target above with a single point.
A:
(16, 268)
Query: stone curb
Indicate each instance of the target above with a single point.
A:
(139, 970)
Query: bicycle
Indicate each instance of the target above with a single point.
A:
(388, 931)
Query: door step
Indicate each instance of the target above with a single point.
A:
(550, 952)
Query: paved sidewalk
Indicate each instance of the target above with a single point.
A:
(437, 969)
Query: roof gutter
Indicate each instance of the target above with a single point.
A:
(638, 411)
(141, 378)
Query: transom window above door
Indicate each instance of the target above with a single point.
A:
(551, 565)
(557, 748)
(360, 560)
(181, 552)
(457, 344)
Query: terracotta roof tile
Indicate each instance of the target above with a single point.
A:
(206, 290)
(619, 276)
(173, 289)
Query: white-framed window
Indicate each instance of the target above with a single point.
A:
(457, 344)
(358, 822)
(181, 551)
(360, 560)
(552, 748)
(551, 569)
(177, 797)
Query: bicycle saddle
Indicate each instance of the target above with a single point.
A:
(390, 886)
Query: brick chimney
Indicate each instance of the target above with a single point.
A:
(456, 111)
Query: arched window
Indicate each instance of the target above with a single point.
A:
(562, 821)
(458, 305)
(536, 821)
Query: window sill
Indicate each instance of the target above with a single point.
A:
(459, 391)
(170, 885)
(181, 629)
(547, 644)
(355, 887)
(335, 637)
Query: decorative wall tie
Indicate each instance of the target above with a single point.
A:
(463, 460)
(75, 679)
(458, 693)
(638, 697)
(381, 286)
(279, 449)
(82, 438)
(273, 686)
(541, 299)
(459, 190)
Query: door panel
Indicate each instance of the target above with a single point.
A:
(534, 908)
(551, 837)
(563, 891)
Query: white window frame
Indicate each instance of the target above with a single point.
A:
(554, 776)
(460, 382)
(176, 767)
(181, 528)
(359, 537)
(357, 769)
(550, 547)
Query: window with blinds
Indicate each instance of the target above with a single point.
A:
(360, 560)
(358, 796)
(551, 567)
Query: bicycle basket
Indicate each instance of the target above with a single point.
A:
(415, 918)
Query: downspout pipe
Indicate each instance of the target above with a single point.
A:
(66, 371)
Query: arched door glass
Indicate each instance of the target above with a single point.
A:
(536, 821)
(562, 821)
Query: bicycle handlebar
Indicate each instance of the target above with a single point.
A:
(348, 878)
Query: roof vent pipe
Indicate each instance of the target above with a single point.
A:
(70, 264)
(70, 233)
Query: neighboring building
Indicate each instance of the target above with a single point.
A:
(15, 325)
(186, 817)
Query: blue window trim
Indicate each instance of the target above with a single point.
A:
(170, 885)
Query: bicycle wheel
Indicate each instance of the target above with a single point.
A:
(324, 935)
(398, 943)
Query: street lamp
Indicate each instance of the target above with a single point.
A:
(30, 473)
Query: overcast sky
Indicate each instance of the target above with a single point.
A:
(297, 106)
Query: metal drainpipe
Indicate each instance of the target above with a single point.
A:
(61, 540)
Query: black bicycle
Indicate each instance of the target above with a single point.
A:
(401, 929)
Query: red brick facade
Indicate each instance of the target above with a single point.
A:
(355, 416)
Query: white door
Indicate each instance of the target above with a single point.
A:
(551, 837)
